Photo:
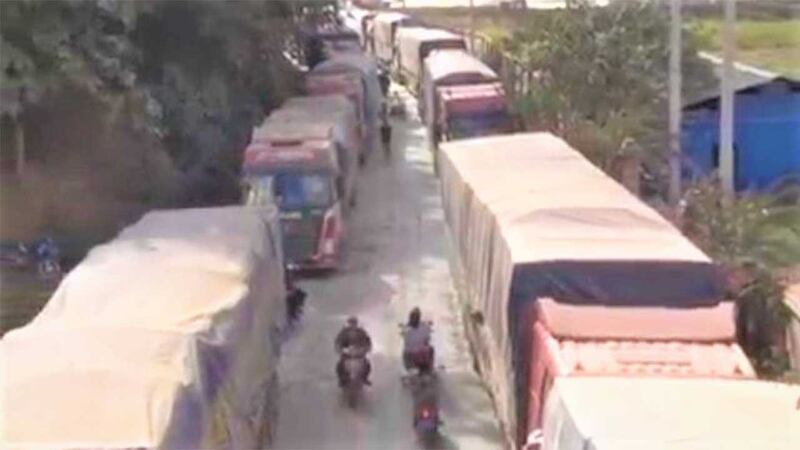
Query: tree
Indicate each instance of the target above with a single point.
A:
(753, 238)
(603, 71)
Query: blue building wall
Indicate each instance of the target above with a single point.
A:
(766, 136)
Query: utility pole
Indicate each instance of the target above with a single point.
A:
(726, 156)
(472, 25)
(675, 155)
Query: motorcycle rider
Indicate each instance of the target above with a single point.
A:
(417, 348)
(47, 256)
(352, 335)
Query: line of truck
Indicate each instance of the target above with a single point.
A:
(306, 155)
(594, 322)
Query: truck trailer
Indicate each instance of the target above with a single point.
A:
(532, 218)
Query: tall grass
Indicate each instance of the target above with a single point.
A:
(751, 34)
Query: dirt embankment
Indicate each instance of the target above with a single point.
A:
(88, 169)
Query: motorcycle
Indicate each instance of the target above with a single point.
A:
(47, 256)
(426, 418)
(354, 367)
(418, 363)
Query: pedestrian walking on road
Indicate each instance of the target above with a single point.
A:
(386, 138)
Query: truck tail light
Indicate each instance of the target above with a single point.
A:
(329, 232)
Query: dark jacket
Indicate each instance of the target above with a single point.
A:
(353, 336)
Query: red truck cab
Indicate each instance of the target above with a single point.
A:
(472, 110)
(635, 342)
(302, 177)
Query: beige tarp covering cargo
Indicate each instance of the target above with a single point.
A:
(413, 46)
(532, 218)
(671, 414)
(368, 71)
(385, 25)
(165, 337)
(792, 300)
(449, 68)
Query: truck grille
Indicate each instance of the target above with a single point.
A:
(300, 238)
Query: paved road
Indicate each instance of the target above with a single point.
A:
(398, 257)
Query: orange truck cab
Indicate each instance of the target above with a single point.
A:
(628, 342)
(302, 177)
(470, 111)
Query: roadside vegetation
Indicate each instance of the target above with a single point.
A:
(772, 43)
(113, 108)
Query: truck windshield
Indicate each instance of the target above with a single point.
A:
(302, 190)
(478, 124)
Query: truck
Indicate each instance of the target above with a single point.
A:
(166, 337)
(313, 192)
(338, 110)
(385, 26)
(346, 84)
(318, 41)
(414, 44)
(471, 110)
(367, 71)
(461, 97)
(626, 343)
(361, 21)
(303, 178)
(533, 219)
(624, 413)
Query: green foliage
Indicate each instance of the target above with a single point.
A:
(753, 238)
(752, 231)
(196, 75)
(138, 104)
(214, 69)
(750, 34)
(603, 72)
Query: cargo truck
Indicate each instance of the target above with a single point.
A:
(414, 44)
(532, 219)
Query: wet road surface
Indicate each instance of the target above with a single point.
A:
(397, 258)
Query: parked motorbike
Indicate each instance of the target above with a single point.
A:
(355, 363)
(47, 259)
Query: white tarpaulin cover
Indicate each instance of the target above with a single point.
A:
(165, 337)
(373, 98)
(532, 218)
(585, 413)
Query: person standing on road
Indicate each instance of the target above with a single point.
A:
(386, 137)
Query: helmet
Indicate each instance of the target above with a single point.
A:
(414, 317)
(352, 321)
